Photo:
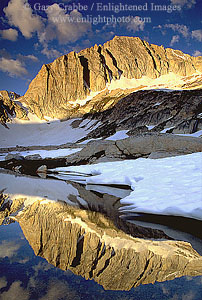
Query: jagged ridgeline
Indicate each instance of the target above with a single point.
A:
(9, 108)
(75, 75)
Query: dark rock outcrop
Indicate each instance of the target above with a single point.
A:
(176, 112)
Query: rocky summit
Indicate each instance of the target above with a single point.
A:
(10, 107)
(60, 86)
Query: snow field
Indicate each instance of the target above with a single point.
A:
(41, 134)
(167, 186)
(44, 153)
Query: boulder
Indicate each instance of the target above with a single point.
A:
(16, 156)
(150, 145)
(33, 157)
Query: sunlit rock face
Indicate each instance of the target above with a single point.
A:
(75, 75)
(90, 245)
(10, 108)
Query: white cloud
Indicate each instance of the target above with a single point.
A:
(50, 53)
(184, 3)
(64, 27)
(59, 290)
(8, 249)
(189, 296)
(20, 14)
(15, 291)
(9, 34)
(32, 57)
(29, 57)
(13, 68)
(197, 34)
(136, 24)
(182, 29)
(197, 53)
(175, 39)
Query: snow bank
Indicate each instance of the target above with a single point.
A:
(168, 81)
(195, 134)
(44, 153)
(31, 134)
(119, 135)
(167, 186)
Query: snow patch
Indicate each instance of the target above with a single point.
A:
(168, 81)
(82, 102)
(157, 104)
(167, 186)
(195, 134)
(166, 129)
(150, 127)
(41, 134)
(119, 135)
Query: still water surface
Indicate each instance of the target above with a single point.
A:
(23, 275)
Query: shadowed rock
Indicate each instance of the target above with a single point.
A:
(145, 145)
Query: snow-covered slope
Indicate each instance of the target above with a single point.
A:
(27, 133)
(168, 186)
(168, 82)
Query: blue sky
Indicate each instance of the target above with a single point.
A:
(33, 33)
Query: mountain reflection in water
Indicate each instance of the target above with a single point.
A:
(89, 238)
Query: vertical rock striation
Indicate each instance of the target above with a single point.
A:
(90, 245)
(73, 76)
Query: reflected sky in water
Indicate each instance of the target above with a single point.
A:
(26, 276)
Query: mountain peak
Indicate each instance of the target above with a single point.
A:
(75, 75)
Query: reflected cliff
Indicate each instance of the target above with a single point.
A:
(20, 191)
(82, 231)
(88, 244)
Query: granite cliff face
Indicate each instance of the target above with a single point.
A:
(88, 244)
(73, 76)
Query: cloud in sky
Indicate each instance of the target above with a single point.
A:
(136, 24)
(20, 15)
(29, 57)
(182, 29)
(9, 34)
(50, 53)
(197, 53)
(184, 3)
(16, 291)
(13, 68)
(59, 290)
(8, 249)
(67, 28)
(175, 39)
(197, 34)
